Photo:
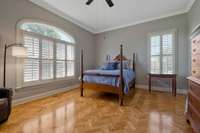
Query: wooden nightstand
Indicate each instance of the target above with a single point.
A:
(168, 76)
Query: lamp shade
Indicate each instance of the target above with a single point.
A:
(19, 51)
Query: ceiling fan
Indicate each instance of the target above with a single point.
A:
(109, 2)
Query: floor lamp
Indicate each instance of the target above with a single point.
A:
(18, 50)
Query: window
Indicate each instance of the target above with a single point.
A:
(162, 53)
(46, 30)
(31, 64)
(50, 53)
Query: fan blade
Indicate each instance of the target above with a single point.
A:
(89, 2)
(110, 3)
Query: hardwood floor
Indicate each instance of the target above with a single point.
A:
(98, 112)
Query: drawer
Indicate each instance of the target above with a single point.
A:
(194, 118)
(195, 71)
(195, 50)
(194, 101)
(196, 47)
(196, 61)
(195, 88)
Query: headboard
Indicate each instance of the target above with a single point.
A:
(118, 58)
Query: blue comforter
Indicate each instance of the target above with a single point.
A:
(128, 76)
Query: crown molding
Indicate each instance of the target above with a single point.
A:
(140, 22)
(50, 8)
(191, 3)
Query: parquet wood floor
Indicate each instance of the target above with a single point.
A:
(100, 113)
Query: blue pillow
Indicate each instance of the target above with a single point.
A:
(109, 66)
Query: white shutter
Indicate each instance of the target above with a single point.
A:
(70, 68)
(70, 52)
(70, 60)
(31, 64)
(60, 51)
(47, 59)
(32, 45)
(47, 69)
(168, 54)
(155, 54)
(31, 70)
(155, 64)
(47, 49)
(60, 60)
(60, 69)
(155, 45)
(162, 53)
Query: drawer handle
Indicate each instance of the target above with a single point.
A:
(194, 50)
(194, 71)
(194, 60)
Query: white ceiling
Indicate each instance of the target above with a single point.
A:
(98, 17)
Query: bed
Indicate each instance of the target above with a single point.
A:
(118, 81)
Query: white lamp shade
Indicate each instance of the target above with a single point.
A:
(19, 51)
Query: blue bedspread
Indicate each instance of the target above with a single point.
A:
(128, 76)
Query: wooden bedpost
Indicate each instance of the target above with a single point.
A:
(121, 91)
(134, 55)
(133, 62)
(81, 86)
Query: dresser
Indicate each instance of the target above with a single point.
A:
(193, 104)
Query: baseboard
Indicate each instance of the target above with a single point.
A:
(162, 89)
(42, 95)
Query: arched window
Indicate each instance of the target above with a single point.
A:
(50, 52)
(47, 30)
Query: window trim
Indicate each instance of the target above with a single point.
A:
(175, 41)
(20, 67)
(41, 21)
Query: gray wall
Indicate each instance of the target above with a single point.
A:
(135, 39)
(11, 11)
(194, 16)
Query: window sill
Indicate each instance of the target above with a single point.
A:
(36, 83)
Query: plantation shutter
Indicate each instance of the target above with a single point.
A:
(70, 60)
(162, 54)
(168, 54)
(155, 54)
(60, 60)
(31, 63)
(47, 59)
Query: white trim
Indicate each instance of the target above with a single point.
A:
(50, 8)
(140, 22)
(43, 95)
(41, 21)
(162, 89)
(195, 31)
(191, 3)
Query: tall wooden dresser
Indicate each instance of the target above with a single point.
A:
(193, 110)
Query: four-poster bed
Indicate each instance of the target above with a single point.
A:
(117, 81)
